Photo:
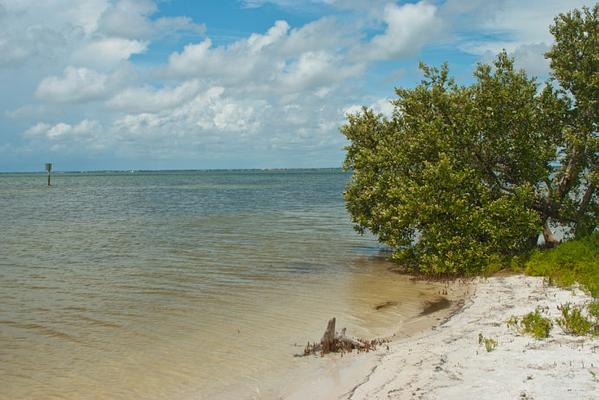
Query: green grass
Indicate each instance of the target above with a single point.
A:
(570, 262)
(594, 310)
(594, 314)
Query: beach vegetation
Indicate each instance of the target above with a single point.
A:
(594, 310)
(572, 321)
(572, 261)
(533, 324)
(459, 178)
(512, 322)
(536, 325)
(489, 343)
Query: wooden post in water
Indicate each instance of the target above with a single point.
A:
(48, 170)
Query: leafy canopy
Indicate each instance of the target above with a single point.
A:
(462, 176)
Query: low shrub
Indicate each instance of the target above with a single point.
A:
(490, 344)
(594, 315)
(533, 324)
(573, 321)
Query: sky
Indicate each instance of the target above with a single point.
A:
(172, 84)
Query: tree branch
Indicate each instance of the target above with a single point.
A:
(489, 170)
(586, 199)
(566, 179)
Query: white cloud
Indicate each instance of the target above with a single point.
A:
(108, 52)
(56, 14)
(384, 107)
(128, 19)
(48, 30)
(282, 60)
(206, 114)
(315, 70)
(257, 42)
(170, 25)
(409, 27)
(148, 99)
(293, 4)
(283, 90)
(483, 27)
(191, 60)
(324, 34)
(38, 129)
(62, 131)
(234, 117)
(131, 19)
(531, 58)
(380, 106)
(85, 32)
(10, 54)
(76, 84)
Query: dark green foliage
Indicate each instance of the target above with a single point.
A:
(572, 261)
(572, 197)
(424, 182)
(463, 177)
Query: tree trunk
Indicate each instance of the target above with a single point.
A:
(550, 239)
(533, 241)
(582, 225)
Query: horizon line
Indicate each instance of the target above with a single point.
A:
(168, 170)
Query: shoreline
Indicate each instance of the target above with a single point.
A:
(447, 361)
(334, 376)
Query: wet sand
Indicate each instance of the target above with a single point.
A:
(337, 376)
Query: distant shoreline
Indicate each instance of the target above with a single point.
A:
(173, 171)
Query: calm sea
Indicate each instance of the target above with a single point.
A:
(179, 285)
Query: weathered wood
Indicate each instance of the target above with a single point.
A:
(327, 342)
(333, 342)
(550, 239)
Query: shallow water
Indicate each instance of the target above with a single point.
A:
(176, 285)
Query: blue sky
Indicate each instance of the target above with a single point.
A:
(151, 84)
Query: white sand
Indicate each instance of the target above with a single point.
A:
(447, 362)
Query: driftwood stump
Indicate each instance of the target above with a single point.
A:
(333, 342)
(327, 342)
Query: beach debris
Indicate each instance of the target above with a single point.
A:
(337, 342)
(386, 304)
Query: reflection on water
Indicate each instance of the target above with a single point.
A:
(179, 285)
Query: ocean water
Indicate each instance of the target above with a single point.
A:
(180, 285)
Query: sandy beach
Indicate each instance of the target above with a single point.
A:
(447, 361)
